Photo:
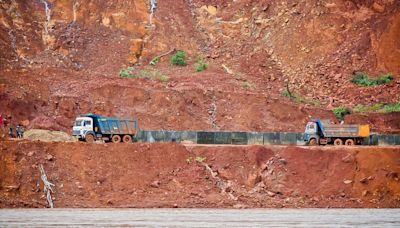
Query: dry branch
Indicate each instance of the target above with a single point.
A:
(47, 186)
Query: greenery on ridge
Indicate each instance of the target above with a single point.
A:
(362, 79)
(148, 74)
(179, 59)
(340, 112)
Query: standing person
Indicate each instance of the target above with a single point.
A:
(11, 132)
(20, 131)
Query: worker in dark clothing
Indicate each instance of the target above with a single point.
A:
(11, 132)
(20, 131)
(2, 130)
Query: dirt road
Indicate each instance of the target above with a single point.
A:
(200, 218)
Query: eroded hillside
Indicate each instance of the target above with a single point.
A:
(62, 58)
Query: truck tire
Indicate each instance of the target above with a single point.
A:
(313, 142)
(127, 139)
(338, 142)
(116, 139)
(349, 142)
(89, 138)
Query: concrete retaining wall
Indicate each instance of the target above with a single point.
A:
(246, 138)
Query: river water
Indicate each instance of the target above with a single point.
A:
(200, 217)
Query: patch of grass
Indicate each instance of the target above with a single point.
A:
(189, 160)
(379, 107)
(154, 61)
(201, 64)
(299, 99)
(391, 107)
(365, 108)
(153, 75)
(247, 85)
(148, 74)
(340, 112)
(200, 159)
(362, 79)
(179, 59)
(127, 73)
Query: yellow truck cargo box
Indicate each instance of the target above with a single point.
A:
(364, 131)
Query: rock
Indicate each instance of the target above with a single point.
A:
(364, 180)
(11, 188)
(391, 174)
(49, 157)
(271, 194)
(155, 184)
(365, 193)
(106, 21)
(175, 205)
(135, 50)
(347, 181)
(253, 179)
(378, 8)
(25, 123)
(283, 161)
(31, 153)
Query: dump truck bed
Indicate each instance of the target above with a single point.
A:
(112, 126)
(345, 130)
(117, 126)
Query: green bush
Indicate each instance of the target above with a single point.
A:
(179, 59)
(201, 65)
(362, 79)
(340, 112)
(392, 107)
(127, 73)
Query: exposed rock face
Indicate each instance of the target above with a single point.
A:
(50, 47)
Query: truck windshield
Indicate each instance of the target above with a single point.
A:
(78, 123)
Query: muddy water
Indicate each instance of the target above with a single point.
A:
(200, 217)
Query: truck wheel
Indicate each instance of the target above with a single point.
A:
(116, 139)
(313, 142)
(89, 138)
(349, 142)
(338, 142)
(127, 139)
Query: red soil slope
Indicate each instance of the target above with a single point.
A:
(172, 175)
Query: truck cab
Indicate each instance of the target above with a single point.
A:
(83, 126)
(311, 133)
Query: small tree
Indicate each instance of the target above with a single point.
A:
(179, 59)
(201, 65)
(340, 112)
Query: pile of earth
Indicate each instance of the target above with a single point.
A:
(48, 136)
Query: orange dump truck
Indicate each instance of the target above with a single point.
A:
(320, 132)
